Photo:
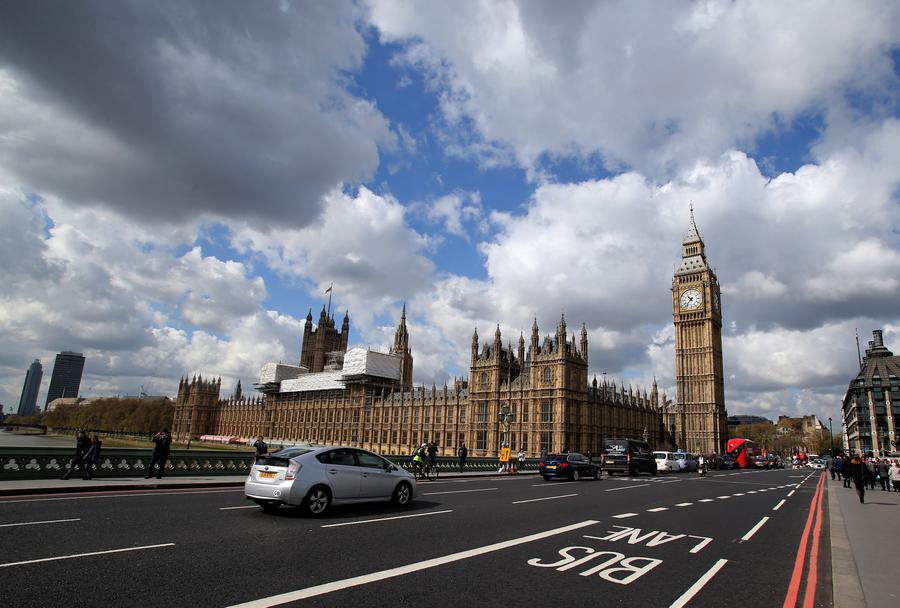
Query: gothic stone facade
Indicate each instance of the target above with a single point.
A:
(556, 407)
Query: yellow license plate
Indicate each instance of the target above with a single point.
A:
(610, 462)
(267, 474)
(552, 466)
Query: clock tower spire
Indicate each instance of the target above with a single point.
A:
(701, 418)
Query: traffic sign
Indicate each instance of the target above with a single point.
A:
(504, 455)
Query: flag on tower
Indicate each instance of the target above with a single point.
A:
(329, 288)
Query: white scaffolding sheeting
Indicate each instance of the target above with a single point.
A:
(363, 362)
(276, 372)
(321, 381)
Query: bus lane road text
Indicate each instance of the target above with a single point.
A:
(614, 566)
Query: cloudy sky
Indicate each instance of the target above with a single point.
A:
(180, 182)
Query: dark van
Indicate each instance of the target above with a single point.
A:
(630, 456)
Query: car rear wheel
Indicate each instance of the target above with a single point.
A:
(402, 494)
(575, 475)
(317, 500)
(546, 477)
(596, 474)
(654, 471)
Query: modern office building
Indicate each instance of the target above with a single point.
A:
(871, 406)
(66, 378)
(28, 400)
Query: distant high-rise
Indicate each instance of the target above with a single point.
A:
(66, 378)
(28, 400)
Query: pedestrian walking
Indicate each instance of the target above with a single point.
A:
(161, 442)
(261, 446)
(92, 456)
(837, 466)
(858, 474)
(461, 453)
(520, 460)
(871, 473)
(895, 475)
(845, 471)
(884, 474)
(831, 464)
(82, 445)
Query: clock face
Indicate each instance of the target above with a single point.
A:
(691, 299)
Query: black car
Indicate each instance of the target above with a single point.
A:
(630, 456)
(571, 465)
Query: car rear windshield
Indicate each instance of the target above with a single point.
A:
(616, 446)
(291, 452)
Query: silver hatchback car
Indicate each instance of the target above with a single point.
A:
(315, 478)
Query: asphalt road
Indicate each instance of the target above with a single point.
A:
(512, 541)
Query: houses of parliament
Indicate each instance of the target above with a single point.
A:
(359, 397)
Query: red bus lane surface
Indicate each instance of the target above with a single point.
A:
(813, 519)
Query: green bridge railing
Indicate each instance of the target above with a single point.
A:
(49, 463)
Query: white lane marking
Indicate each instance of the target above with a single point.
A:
(720, 475)
(778, 506)
(738, 494)
(136, 494)
(657, 509)
(53, 559)
(673, 481)
(684, 504)
(369, 521)
(755, 528)
(734, 473)
(548, 484)
(346, 583)
(751, 491)
(35, 523)
(624, 515)
(723, 497)
(241, 507)
(688, 595)
(459, 491)
(699, 547)
(518, 502)
(762, 490)
(627, 487)
(706, 500)
(791, 493)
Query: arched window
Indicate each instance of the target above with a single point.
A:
(548, 375)
(484, 379)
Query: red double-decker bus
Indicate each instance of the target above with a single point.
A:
(743, 451)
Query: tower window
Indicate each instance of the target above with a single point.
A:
(548, 375)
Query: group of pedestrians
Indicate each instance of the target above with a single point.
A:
(866, 472)
(87, 455)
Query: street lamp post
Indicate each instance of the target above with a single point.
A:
(831, 436)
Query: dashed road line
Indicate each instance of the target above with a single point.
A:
(35, 523)
(53, 559)
(706, 500)
(738, 494)
(241, 507)
(778, 506)
(369, 521)
(723, 497)
(626, 487)
(657, 509)
(755, 529)
(791, 493)
(688, 595)
(518, 502)
(624, 515)
(459, 491)
(684, 504)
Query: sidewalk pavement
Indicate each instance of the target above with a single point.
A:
(864, 538)
(19, 487)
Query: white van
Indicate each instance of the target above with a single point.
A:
(666, 462)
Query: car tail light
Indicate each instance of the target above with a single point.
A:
(541, 465)
(293, 469)
(563, 465)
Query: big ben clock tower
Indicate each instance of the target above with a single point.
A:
(701, 420)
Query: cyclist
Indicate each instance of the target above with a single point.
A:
(419, 462)
(432, 451)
